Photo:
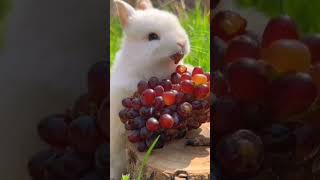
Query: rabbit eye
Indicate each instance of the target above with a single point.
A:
(153, 36)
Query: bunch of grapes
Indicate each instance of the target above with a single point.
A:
(167, 107)
(79, 138)
(266, 107)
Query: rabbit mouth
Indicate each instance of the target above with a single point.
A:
(177, 57)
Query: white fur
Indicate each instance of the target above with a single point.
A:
(139, 59)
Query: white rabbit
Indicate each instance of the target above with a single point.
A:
(151, 38)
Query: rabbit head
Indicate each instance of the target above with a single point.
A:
(153, 34)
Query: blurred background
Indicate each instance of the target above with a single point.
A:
(194, 16)
(46, 50)
(305, 13)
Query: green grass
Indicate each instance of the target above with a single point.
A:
(195, 22)
(305, 13)
(144, 162)
(4, 9)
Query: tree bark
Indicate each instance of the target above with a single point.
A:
(174, 161)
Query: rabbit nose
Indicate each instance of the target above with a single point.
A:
(181, 44)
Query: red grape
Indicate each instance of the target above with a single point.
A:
(291, 94)
(187, 86)
(147, 97)
(176, 87)
(199, 79)
(248, 80)
(241, 47)
(185, 76)
(228, 24)
(201, 91)
(169, 98)
(166, 84)
(241, 154)
(315, 74)
(166, 121)
(181, 69)
(197, 70)
(152, 124)
(278, 28)
(313, 43)
(220, 85)
(180, 97)
(142, 85)
(227, 116)
(208, 76)
(288, 55)
(134, 136)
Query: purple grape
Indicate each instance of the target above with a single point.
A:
(98, 82)
(136, 104)
(144, 133)
(103, 118)
(38, 163)
(141, 146)
(142, 85)
(138, 122)
(166, 84)
(123, 115)
(131, 114)
(127, 102)
(102, 159)
(175, 78)
(180, 97)
(54, 130)
(153, 82)
(159, 103)
(147, 112)
(83, 134)
(68, 167)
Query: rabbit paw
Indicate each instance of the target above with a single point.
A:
(198, 141)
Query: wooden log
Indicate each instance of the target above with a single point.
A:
(174, 161)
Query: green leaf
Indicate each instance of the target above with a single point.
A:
(146, 157)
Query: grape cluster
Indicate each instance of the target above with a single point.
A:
(266, 108)
(79, 138)
(167, 107)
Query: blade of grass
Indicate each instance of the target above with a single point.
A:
(146, 157)
(125, 177)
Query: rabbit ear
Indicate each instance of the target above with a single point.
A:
(125, 11)
(144, 4)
